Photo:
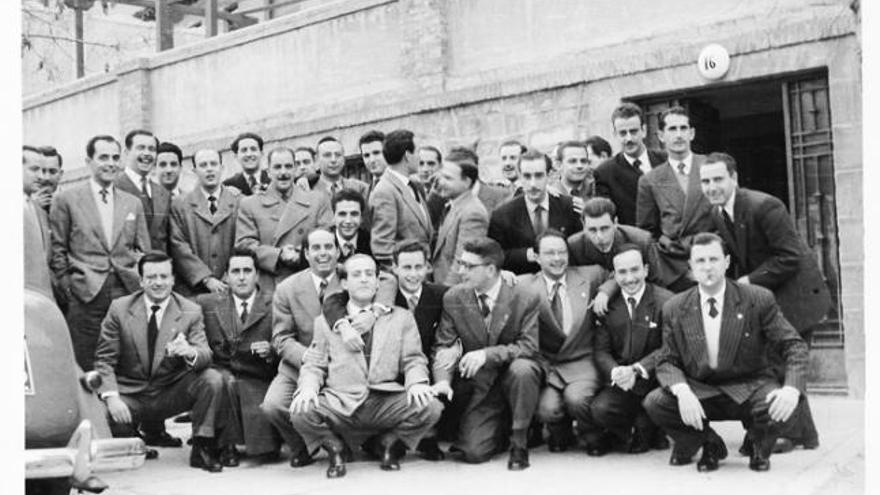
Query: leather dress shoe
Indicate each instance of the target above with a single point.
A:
(391, 455)
(713, 451)
(677, 459)
(183, 418)
(758, 461)
(301, 460)
(660, 442)
(599, 446)
(783, 446)
(202, 457)
(229, 456)
(162, 439)
(536, 435)
(429, 450)
(639, 443)
(151, 454)
(519, 459)
(336, 469)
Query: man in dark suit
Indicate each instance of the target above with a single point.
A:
(430, 159)
(575, 175)
(493, 327)
(491, 195)
(714, 363)
(248, 149)
(670, 204)
(169, 162)
(768, 251)
(153, 358)
(348, 228)
(238, 326)
(510, 152)
(566, 340)
(140, 158)
(370, 146)
(331, 161)
(628, 340)
(203, 228)
(617, 178)
(519, 221)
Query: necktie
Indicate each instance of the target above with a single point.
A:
(252, 183)
(415, 191)
(484, 305)
(556, 302)
(412, 302)
(539, 220)
(152, 332)
(213, 207)
(681, 168)
(347, 249)
(637, 164)
(144, 187)
(244, 312)
(728, 222)
(713, 311)
(632, 307)
(104, 195)
(334, 188)
(321, 288)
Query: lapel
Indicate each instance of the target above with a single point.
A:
(473, 317)
(137, 324)
(500, 313)
(578, 291)
(416, 207)
(199, 205)
(692, 326)
(694, 192)
(741, 214)
(225, 206)
(640, 324)
(119, 212)
(732, 321)
(294, 213)
(168, 330)
(668, 184)
(381, 334)
(524, 219)
(262, 305)
(452, 218)
(87, 200)
(227, 315)
(625, 169)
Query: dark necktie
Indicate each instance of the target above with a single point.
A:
(104, 193)
(347, 249)
(144, 187)
(413, 302)
(213, 207)
(244, 312)
(152, 333)
(415, 190)
(681, 168)
(728, 222)
(367, 337)
(576, 192)
(484, 305)
(713, 311)
(637, 164)
(539, 225)
(252, 183)
(321, 288)
(632, 307)
(556, 302)
(148, 202)
(334, 188)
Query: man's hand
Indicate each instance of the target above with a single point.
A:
(303, 183)
(508, 277)
(351, 338)
(118, 410)
(289, 254)
(471, 363)
(623, 376)
(363, 322)
(442, 388)
(744, 280)
(303, 400)
(419, 394)
(42, 197)
(600, 303)
(689, 407)
(215, 285)
(179, 347)
(262, 348)
(577, 204)
(783, 401)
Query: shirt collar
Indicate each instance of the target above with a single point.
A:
(249, 301)
(408, 295)
(643, 158)
(317, 280)
(688, 162)
(493, 291)
(162, 306)
(637, 296)
(552, 282)
(400, 176)
(719, 298)
(96, 188)
(354, 309)
(216, 193)
(545, 203)
(728, 206)
(476, 189)
(339, 240)
(136, 178)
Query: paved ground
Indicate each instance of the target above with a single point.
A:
(836, 467)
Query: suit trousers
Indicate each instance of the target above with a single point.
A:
(276, 408)
(84, 319)
(382, 413)
(662, 407)
(617, 411)
(202, 392)
(248, 425)
(557, 406)
(484, 411)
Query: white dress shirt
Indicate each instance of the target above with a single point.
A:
(105, 210)
(712, 326)
(316, 281)
(410, 295)
(250, 303)
(644, 161)
(545, 214)
(492, 293)
(637, 296)
(149, 303)
(136, 179)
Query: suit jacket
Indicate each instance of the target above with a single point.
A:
(511, 226)
(323, 186)
(567, 358)
(618, 180)
(512, 331)
(750, 322)
(362, 246)
(623, 341)
(396, 215)
(671, 216)
(79, 246)
(427, 313)
(586, 192)
(240, 182)
(266, 223)
(467, 219)
(491, 195)
(201, 243)
(295, 307)
(156, 210)
(37, 249)
(581, 251)
(122, 356)
(344, 377)
(767, 248)
(230, 340)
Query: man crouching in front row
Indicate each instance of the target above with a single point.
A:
(356, 389)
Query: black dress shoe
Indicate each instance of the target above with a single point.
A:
(599, 446)
(660, 442)
(229, 456)
(151, 454)
(679, 460)
(519, 459)
(783, 446)
(429, 450)
(713, 450)
(758, 461)
(183, 418)
(336, 469)
(746, 447)
(202, 457)
(391, 455)
(301, 460)
(162, 439)
(639, 443)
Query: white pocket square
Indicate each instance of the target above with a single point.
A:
(130, 217)
(652, 325)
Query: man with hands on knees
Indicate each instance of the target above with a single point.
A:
(382, 389)
(714, 363)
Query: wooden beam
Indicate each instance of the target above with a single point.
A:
(164, 26)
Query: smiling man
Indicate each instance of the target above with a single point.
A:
(331, 161)
(169, 160)
(248, 150)
(348, 217)
(575, 177)
(370, 145)
(510, 153)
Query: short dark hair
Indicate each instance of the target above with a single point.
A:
(598, 206)
(599, 145)
(569, 144)
(533, 154)
(241, 252)
(628, 110)
(706, 238)
(623, 248)
(246, 135)
(151, 257)
(307, 149)
(513, 142)
(459, 154)
(327, 139)
(486, 248)
(32, 149)
(90, 145)
(50, 152)
(721, 157)
(129, 138)
(396, 144)
(464, 159)
(410, 246)
(550, 233)
(343, 273)
(348, 194)
(434, 150)
(279, 149)
(166, 147)
(371, 137)
(675, 110)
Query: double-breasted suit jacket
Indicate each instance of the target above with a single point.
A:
(397, 215)
(266, 223)
(156, 209)
(427, 312)
(617, 180)
(201, 242)
(230, 339)
(467, 219)
(581, 251)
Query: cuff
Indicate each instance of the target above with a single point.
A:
(678, 388)
(109, 393)
(641, 370)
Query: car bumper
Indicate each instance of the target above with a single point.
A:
(85, 455)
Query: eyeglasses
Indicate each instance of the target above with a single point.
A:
(468, 266)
